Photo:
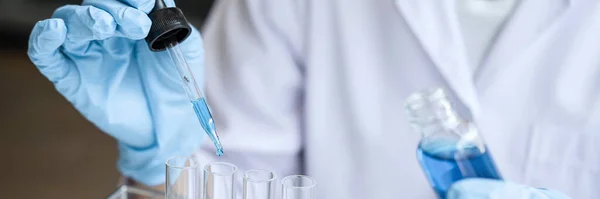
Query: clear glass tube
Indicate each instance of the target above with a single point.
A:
(219, 179)
(194, 93)
(259, 184)
(182, 179)
(298, 187)
(190, 85)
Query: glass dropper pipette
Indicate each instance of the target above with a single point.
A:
(194, 93)
(169, 28)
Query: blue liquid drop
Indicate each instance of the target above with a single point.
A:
(220, 152)
(445, 168)
(206, 120)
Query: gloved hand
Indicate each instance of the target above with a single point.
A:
(474, 188)
(97, 59)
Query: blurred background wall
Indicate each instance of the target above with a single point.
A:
(48, 150)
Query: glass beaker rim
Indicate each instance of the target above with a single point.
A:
(249, 179)
(227, 173)
(311, 185)
(193, 162)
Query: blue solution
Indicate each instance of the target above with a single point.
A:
(206, 120)
(446, 167)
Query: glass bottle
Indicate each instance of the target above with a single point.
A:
(451, 148)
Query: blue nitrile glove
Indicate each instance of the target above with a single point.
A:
(474, 188)
(97, 59)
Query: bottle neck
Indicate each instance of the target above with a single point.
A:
(431, 111)
(431, 114)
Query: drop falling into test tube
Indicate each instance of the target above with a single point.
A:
(169, 28)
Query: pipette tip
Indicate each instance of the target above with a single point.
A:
(203, 113)
(218, 146)
(219, 151)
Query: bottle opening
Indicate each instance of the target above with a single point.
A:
(431, 113)
(431, 109)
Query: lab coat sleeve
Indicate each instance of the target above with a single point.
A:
(254, 84)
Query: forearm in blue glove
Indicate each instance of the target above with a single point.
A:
(495, 189)
(96, 56)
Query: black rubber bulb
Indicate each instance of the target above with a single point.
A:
(168, 24)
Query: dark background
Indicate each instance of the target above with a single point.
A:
(48, 150)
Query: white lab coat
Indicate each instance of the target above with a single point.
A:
(318, 87)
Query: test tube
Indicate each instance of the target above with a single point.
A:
(182, 179)
(259, 184)
(298, 187)
(219, 179)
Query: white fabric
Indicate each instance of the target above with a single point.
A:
(317, 87)
(480, 22)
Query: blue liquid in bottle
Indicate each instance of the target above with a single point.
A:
(451, 148)
(206, 120)
(444, 167)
